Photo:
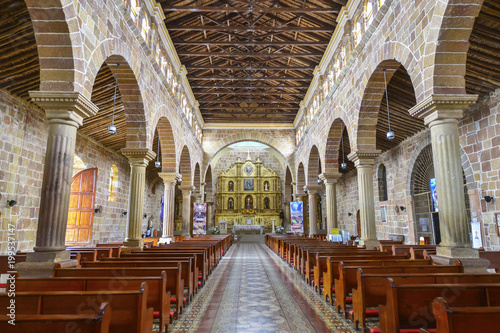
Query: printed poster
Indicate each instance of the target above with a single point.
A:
(434, 196)
(199, 218)
(297, 216)
(477, 241)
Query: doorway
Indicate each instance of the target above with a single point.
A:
(81, 208)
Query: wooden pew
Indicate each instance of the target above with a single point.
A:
(101, 252)
(405, 249)
(187, 275)
(370, 286)
(175, 284)
(409, 306)
(493, 257)
(386, 245)
(464, 319)
(4, 262)
(332, 271)
(82, 323)
(116, 248)
(130, 313)
(158, 297)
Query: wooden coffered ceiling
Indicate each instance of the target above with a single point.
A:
(250, 60)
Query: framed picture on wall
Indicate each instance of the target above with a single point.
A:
(497, 223)
(383, 214)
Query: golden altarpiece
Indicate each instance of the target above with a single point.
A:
(248, 193)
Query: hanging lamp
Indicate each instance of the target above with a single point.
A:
(343, 165)
(112, 127)
(390, 134)
(158, 163)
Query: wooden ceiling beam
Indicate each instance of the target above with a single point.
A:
(216, 86)
(246, 108)
(249, 43)
(248, 54)
(248, 93)
(249, 10)
(172, 27)
(252, 68)
(249, 78)
(239, 101)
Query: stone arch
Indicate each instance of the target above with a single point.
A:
(208, 184)
(332, 145)
(197, 177)
(185, 166)
(167, 144)
(301, 178)
(65, 73)
(214, 148)
(425, 142)
(313, 166)
(452, 26)
(371, 101)
(288, 185)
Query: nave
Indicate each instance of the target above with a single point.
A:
(252, 290)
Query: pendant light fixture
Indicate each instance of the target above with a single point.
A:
(390, 134)
(343, 165)
(158, 163)
(112, 127)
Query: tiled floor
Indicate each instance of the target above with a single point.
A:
(252, 290)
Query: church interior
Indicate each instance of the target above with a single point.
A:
(250, 166)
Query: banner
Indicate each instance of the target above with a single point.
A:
(477, 240)
(297, 216)
(199, 218)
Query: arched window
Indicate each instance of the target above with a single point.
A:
(368, 13)
(382, 183)
(113, 183)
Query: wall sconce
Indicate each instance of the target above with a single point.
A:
(11, 203)
(98, 209)
(145, 215)
(488, 198)
(124, 214)
(349, 214)
(402, 208)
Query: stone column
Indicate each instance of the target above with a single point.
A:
(65, 112)
(288, 218)
(138, 159)
(331, 199)
(364, 160)
(169, 181)
(186, 209)
(210, 223)
(312, 191)
(442, 113)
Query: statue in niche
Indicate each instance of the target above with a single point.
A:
(249, 202)
(266, 203)
(230, 203)
(231, 186)
(266, 186)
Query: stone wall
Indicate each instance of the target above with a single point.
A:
(22, 155)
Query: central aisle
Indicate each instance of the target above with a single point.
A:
(252, 290)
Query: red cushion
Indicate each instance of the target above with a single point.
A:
(404, 330)
(351, 313)
(348, 299)
(375, 330)
(174, 299)
(156, 314)
(371, 312)
(199, 283)
(172, 313)
(3, 285)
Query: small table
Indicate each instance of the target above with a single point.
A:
(248, 227)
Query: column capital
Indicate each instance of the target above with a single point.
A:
(312, 189)
(138, 155)
(70, 106)
(442, 106)
(363, 157)
(186, 188)
(169, 177)
(330, 178)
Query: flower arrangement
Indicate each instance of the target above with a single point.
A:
(214, 231)
(280, 229)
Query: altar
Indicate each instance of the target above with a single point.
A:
(248, 227)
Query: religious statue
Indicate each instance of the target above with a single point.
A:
(266, 203)
(249, 202)
(266, 186)
(231, 185)
(230, 203)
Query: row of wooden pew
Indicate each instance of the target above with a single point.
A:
(125, 291)
(405, 294)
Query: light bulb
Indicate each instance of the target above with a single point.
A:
(343, 166)
(390, 135)
(112, 129)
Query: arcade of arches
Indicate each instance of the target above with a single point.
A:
(310, 93)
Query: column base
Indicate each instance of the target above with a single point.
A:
(133, 244)
(166, 240)
(370, 243)
(42, 264)
(471, 265)
(457, 252)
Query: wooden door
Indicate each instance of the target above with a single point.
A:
(81, 208)
(358, 219)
